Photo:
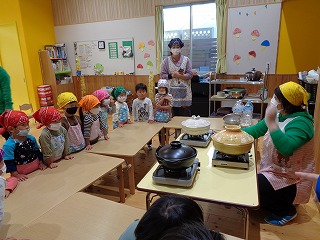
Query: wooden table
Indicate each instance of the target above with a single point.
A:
(228, 186)
(82, 216)
(45, 189)
(126, 142)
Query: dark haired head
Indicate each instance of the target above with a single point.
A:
(174, 41)
(286, 105)
(141, 86)
(193, 231)
(165, 213)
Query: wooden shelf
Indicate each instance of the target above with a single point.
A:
(63, 72)
(235, 81)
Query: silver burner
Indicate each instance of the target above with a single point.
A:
(198, 140)
(234, 161)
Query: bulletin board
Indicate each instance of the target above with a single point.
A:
(252, 38)
(104, 57)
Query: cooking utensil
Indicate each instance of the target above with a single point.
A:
(232, 119)
(232, 140)
(176, 155)
(195, 126)
(237, 92)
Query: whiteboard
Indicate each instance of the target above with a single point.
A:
(141, 30)
(252, 38)
(104, 57)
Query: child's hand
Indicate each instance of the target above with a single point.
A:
(53, 165)
(129, 121)
(42, 166)
(158, 105)
(89, 147)
(7, 193)
(106, 137)
(21, 177)
(120, 125)
(68, 157)
(150, 121)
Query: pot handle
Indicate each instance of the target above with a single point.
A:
(175, 144)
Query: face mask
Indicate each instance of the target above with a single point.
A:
(54, 126)
(95, 111)
(176, 51)
(3, 169)
(274, 102)
(106, 102)
(162, 92)
(72, 110)
(122, 99)
(23, 133)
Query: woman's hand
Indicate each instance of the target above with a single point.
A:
(271, 117)
(175, 74)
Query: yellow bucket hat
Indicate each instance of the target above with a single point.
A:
(294, 93)
(65, 98)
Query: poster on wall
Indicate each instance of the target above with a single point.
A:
(252, 38)
(113, 50)
(127, 49)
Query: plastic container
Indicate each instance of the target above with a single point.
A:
(238, 107)
(247, 113)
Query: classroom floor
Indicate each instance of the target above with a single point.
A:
(222, 218)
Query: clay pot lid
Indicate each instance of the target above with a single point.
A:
(233, 135)
(195, 122)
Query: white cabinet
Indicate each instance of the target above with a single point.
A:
(213, 98)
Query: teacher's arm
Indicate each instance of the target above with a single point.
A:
(164, 73)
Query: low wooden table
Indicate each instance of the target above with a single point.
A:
(126, 142)
(45, 189)
(82, 216)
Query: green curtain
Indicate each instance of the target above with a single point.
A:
(222, 35)
(159, 36)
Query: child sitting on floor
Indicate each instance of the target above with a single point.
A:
(21, 151)
(54, 139)
(164, 102)
(105, 104)
(91, 120)
(68, 102)
(122, 114)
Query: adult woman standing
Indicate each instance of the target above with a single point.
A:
(178, 70)
(287, 148)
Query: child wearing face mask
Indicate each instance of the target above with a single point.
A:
(54, 139)
(163, 101)
(105, 104)
(122, 114)
(92, 122)
(68, 102)
(21, 151)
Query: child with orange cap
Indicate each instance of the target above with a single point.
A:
(105, 104)
(68, 102)
(54, 139)
(21, 151)
(91, 120)
(288, 147)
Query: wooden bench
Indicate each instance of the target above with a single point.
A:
(46, 189)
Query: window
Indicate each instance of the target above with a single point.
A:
(199, 22)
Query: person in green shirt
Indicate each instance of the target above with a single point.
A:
(5, 95)
(287, 148)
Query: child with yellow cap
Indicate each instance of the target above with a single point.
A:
(92, 122)
(122, 114)
(288, 147)
(68, 102)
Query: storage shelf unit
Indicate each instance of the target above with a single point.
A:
(213, 98)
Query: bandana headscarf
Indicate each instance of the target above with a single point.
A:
(117, 91)
(65, 98)
(294, 93)
(101, 94)
(175, 41)
(88, 102)
(12, 118)
(47, 115)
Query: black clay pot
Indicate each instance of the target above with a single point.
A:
(176, 155)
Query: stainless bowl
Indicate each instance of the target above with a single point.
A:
(232, 119)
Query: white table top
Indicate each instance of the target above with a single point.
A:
(214, 184)
(175, 123)
(82, 216)
(127, 141)
(45, 189)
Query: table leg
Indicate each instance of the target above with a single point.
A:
(245, 217)
(167, 135)
(148, 200)
(132, 184)
(121, 184)
(163, 136)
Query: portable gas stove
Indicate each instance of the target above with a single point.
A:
(179, 177)
(234, 161)
(196, 140)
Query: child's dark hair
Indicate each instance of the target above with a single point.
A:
(141, 86)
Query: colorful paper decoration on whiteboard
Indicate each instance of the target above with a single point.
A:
(113, 50)
(98, 69)
(140, 66)
(236, 59)
(255, 34)
(127, 49)
(252, 54)
(141, 46)
(149, 64)
(151, 44)
(265, 44)
(146, 55)
(236, 32)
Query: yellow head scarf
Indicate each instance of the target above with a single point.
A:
(65, 98)
(294, 93)
(88, 102)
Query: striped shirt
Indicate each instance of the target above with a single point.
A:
(88, 121)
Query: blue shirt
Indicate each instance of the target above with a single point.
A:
(128, 234)
(318, 189)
